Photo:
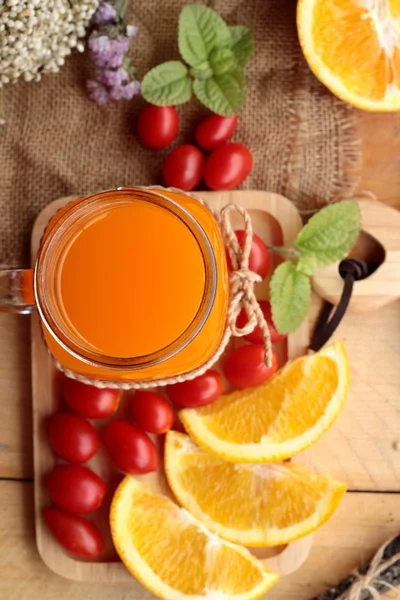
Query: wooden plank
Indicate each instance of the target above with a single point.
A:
(15, 397)
(380, 173)
(23, 575)
(363, 446)
(362, 523)
(360, 526)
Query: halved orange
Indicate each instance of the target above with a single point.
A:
(174, 555)
(254, 505)
(353, 47)
(278, 419)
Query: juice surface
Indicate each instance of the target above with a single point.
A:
(131, 281)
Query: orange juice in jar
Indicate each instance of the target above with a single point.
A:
(130, 285)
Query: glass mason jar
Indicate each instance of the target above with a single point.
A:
(129, 284)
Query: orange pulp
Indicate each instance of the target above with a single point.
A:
(132, 267)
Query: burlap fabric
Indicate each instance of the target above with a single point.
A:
(56, 142)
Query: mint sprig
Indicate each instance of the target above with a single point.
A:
(328, 237)
(215, 54)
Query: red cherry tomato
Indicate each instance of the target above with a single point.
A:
(183, 168)
(200, 391)
(256, 337)
(259, 256)
(129, 448)
(75, 534)
(90, 402)
(214, 131)
(75, 489)
(245, 367)
(158, 126)
(228, 166)
(73, 438)
(152, 412)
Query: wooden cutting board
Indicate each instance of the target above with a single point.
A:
(276, 220)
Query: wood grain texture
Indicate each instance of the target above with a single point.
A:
(277, 221)
(380, 173)
(363, 446)
(362, 523)
(15, 397)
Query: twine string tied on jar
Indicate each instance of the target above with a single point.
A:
(242, 279)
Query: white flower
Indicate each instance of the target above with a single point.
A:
(40, 34)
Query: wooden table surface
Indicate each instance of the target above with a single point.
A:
(362, 449)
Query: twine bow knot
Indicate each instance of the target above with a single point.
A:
(242, 279)
(372, 577)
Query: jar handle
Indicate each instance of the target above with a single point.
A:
(16, 291)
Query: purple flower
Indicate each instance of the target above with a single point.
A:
(132, 89)
(108, 53)
(125, 92)
(113, 78)
(114, 73)
(104, 15)
(98, 44)
(121, 44)
(97, 92)
(131, 31)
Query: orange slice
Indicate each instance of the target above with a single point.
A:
(353, 47)
(174, 555)
(254, 505)
(279, 418)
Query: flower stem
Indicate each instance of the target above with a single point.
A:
(121, 6)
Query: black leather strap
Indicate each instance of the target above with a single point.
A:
(351, 270)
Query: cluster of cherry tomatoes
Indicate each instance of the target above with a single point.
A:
(227, 165)
(76, 490)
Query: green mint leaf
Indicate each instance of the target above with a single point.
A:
(222, 60)
(203, 71)
(331, 233)
(243, 44)
(201, 30)
(166, 84)
(307, 263)
(290, 293)
(222, 94)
